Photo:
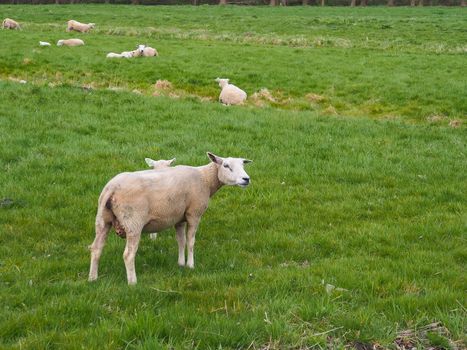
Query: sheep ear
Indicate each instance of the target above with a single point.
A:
(149, 161)
(246, 161)
(214, 158)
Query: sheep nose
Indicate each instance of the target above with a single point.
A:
(246, 179)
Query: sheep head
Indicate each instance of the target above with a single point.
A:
(222, 82)
(230, 170)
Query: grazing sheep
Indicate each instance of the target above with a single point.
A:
(70, 42)
(150, 52)
(148, 201)
(230, 94)
(9, 23)
(156, 165)
(79, 27)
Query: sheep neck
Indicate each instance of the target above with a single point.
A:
(211, 178)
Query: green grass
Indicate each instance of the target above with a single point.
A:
(392, 63)
(373, 206)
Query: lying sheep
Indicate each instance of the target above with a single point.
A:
(70, 42)
(149, 52)
(148, 201)
(230, 94)
(127, 54)
(79, 27)
(9, 23)
(156, 165)
(44, 43)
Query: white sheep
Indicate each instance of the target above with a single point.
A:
(127, 54)
(44, 43)
(70, 42)
(9, 23)
(230, 94)
(79, 27)
(156, 165)
(149, 52)
(152, 201)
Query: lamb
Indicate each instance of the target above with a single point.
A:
(9, 23)
(148, 201)
(70, 42)
(79, 27)
(230, 94)
(156, 165)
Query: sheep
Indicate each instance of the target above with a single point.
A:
(79, 27)
(150, 52)
(9, 23)
(230, 94)
(148, 201)
(127, 54)
(70, 42)
(44, 43)
(156, 165)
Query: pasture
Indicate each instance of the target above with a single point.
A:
(352, 231)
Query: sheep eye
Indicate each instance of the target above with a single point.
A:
(228, 167)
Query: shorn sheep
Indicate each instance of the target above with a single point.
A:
(9, 23)
(230, 94)
(152, 201)
(70, 42)
(127, 54)
(79, 27)
(156, 165)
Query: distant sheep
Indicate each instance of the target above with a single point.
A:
(127, 54)
(148, 201)
(44, 43)
(150, 52)
(9, 23)
(70, 42)
(230, 94)
(79, 27)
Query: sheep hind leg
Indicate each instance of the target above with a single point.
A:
(181, 239)
(102, 230)
(132, 242)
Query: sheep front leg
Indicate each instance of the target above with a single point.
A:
(181, 239)
(132, 242)
(191, 232)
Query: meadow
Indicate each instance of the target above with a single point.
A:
(352, 231)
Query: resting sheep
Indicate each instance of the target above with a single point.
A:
(79, 27)
(70, 42)
(230, 94)
(9, 23)
(148, 201)
(149, 52)
(127, 54)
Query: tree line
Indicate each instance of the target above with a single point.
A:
(254, 2)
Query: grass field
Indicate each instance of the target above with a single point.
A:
(352, 231)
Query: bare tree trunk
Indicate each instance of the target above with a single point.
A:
(222, 2)
(273, 2)
(463, 3)
(283, 2)
(135, 2)
(353, 3)
(390, 2)
(195, 2)
(305, 2)
(420, 3)
(363, 2)
(412, 3)
(57, 2)
(322, 2)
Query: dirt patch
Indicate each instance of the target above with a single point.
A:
(455, 123)
(163, 85)
(312, 97)
(436, 118)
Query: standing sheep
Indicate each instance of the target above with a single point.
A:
(156, 165)
(79, 27)
(9, 23)
(230, 94)
(149, 201)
